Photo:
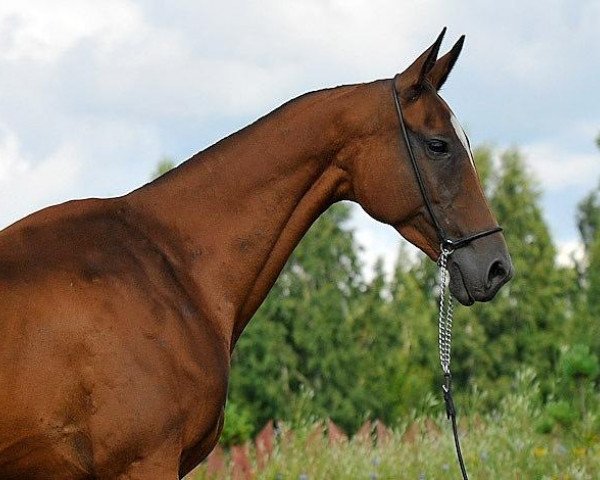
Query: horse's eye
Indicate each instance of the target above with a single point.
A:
(437, 147)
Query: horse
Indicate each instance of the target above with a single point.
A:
(118, 316)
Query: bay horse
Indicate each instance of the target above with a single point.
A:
(118, 316)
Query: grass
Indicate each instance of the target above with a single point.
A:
(496, 447)
(505, 444)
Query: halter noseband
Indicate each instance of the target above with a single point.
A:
(446, 242)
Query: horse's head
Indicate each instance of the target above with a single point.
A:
(385, 181)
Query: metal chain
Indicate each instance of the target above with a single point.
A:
(445, 343)
(446, 313)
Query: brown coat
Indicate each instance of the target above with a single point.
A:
(118, 316)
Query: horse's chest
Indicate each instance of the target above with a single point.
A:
(204, 417)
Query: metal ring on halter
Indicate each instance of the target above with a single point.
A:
(446, 249)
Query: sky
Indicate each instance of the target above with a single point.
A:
(93, 94)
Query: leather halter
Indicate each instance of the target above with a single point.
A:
(446, 242)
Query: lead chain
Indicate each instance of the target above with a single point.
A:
(445, 343)
(446, 313)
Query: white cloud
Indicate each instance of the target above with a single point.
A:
(27, 187)
(41, 30)
(570, 252)
(237, 65)
(374, 244)
(379, 241)
(519, 43)
(559, 168)
(11, 162)
(367, 36)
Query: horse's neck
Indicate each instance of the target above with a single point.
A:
(239, 208)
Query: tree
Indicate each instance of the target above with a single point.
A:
(302, 338)
(483, 158)
(524, 324)
(587, 311)
(588, 214)
(164, 165)
(416, 373)
(587, 327)
(588, 218)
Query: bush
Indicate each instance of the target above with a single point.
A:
(238, 425)
(578, 363)
(544, 425)
(562, 413)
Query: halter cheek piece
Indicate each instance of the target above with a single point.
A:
(446, 243)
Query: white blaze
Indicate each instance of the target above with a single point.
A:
(460, 133)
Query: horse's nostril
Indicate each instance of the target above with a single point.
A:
(496, 273)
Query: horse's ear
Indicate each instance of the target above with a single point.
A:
(415, 75)
(442, 68)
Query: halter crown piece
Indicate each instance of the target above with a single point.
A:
(447, 246)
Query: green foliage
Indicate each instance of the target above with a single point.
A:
(522, 326)
(238, 425)
(415, 371)
(501, 445)
(578, 368)
(588, 217)
(578, 363)
(593, 282)
(587, 328)
(588, 213)
(302, 339)
(483, 157)
(562, 413)
(164, 165)
(544, 424)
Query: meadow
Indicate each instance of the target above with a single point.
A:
(512, 442)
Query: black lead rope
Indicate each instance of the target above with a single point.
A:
(447, 247)
(451, 414)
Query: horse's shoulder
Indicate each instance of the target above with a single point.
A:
(77, 236)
